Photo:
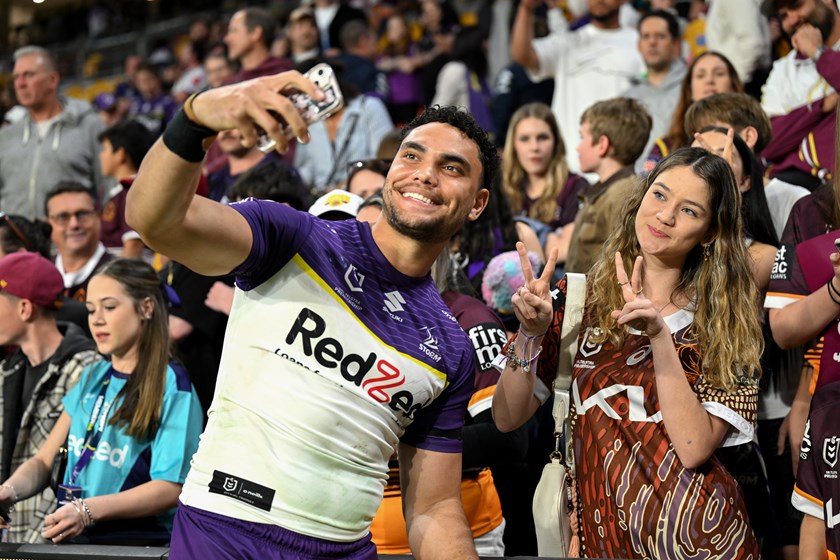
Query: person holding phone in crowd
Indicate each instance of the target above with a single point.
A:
(130, 425)
(665, 373)
(338, 350)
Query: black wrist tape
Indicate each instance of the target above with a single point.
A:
(185, 138)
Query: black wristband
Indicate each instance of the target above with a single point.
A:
(186, 139)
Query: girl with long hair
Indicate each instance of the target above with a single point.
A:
(536, 178)
(130, 426)
(709, 73)
(666, 371)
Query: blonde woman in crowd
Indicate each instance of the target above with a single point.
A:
(536, 178)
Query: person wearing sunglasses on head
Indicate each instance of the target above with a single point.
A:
(367, 176)
(19, 234)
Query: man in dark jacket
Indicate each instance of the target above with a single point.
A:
(49, 360)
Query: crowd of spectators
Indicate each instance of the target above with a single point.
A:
(589, 97)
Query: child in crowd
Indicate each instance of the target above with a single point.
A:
(124, 146)
(613, 134)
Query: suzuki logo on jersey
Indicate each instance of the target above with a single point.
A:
(393, 301)
(104, 452)
(354, 279)
(376, 376)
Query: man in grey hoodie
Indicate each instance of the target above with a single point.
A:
(55, 140)
(659, 88)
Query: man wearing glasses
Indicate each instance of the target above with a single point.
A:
(72, 212)
(55, 140)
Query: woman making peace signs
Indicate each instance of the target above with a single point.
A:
(665, 373)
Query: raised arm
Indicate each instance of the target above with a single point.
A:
(694, 433)
(521, 49)
(435, 519)
(803, 320)
(208, 237)
(514, 401)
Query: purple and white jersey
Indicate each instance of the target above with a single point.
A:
(331, 357)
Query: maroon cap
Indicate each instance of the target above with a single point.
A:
(31, 276)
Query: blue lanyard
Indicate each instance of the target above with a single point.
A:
(98, 419)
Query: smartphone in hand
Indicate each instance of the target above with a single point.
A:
(310, 109)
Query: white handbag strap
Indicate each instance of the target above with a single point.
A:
(569, 333)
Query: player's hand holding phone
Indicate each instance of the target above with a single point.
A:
(256, 107)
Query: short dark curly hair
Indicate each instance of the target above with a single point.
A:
(464, 122)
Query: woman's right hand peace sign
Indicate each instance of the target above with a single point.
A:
(638, 311)
(532, 302)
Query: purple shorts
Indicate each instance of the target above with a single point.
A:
(203, 535)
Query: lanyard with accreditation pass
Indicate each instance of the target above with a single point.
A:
(95, 427)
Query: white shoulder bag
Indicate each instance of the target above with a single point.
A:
(553, 500)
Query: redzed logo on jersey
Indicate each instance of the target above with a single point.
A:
(309, 328)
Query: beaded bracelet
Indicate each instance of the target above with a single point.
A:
(87, 518)
(91, 520)
(529, 356)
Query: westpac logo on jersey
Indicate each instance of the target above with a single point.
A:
(781, 265)
(381, 379)
(805, 447)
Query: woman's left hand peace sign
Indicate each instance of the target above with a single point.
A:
(638, 311)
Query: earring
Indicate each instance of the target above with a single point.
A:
(706, 251)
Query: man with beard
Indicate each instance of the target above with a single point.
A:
(239, 160)
(338, 349)
(659, 88)
(800, 96)
(592, 63)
